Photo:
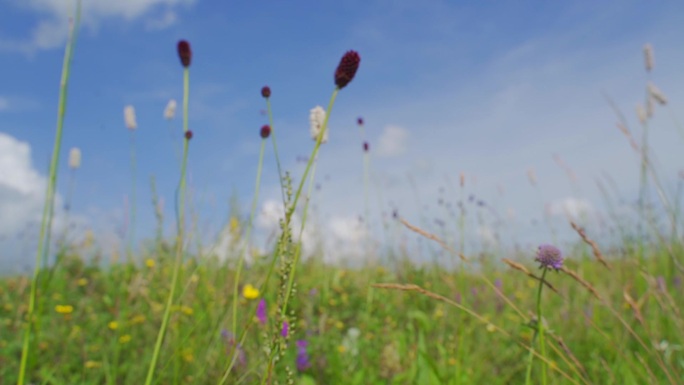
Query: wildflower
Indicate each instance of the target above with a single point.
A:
(359, 121)
(302, 356)
(350, 341)
(265, 131)
(64, 309)
(187, 310)
(366, 147)
(188, 134)
(75, 158)
(347, 68)
(129, 117)
(250, 292)
(188, 356)
(648, 57)
(316, 119)
(170, 110)
(266, 92)
(149, 262)
(82, 281)
(285, 330)
(657, 94)
(138, 319)
(261, 312)
(124, 339)
(234, 347)
(113, 325)
(549, 257)
(185, 53)
(92, 364)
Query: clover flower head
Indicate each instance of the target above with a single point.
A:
(549, 257)
(170, 110)
(129, 118)
(316, 119)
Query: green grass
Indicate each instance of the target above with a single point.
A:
(406, 338)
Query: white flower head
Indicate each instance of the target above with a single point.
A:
(75, 158)
(316, 118)
(170, 110)
(129, 118)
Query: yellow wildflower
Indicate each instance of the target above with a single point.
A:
(124, 339)
(339, 325)
(452, 361)
(341, 349)
(64, 309)
(186, 310)
(149, 262)
(188, 356)
(250, 292)
(138, 319)
(82, 281)
(113, 325)
(92, 364)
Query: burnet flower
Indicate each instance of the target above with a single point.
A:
(184, 53)
(316, 119)
(129, 118)
(347, 68)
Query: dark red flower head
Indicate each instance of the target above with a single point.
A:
(188, 134)
(265, 131)
(347, 68)
(366, 146)
(266, 92)
(359, 121)
(185, 53)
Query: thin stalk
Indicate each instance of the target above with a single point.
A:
(49, 194)
(131, 225)
(538, 333)
(181, 227)
(275, 147)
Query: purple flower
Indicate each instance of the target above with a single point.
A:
(234, 347)
(549, 257)
(347, 68)
(261, 311)
(302, 356)
(285, 330)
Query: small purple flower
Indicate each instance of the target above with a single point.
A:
(285, 330)
(261, 311)
(302, 356)
(550, 257)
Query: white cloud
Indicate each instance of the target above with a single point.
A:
(569, 207)
(52, 30)
(392, 141)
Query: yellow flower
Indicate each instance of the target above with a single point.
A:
(113, 325)
(234, 225)
(452, 361)
(149, 262)
(82, 281)
(64, 309)
(138, 319)
(188, 356)
(186, 310)
(124, 339)
(339, 325)
(92, 364)
(250, 292)
(341, 349)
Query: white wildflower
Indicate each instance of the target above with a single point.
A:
(316, 118)
(170, 110)
(129, 118)
(75, 158)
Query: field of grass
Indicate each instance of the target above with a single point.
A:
(595, 313)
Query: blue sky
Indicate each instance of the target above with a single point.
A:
(484, 88)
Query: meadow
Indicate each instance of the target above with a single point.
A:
(592, 313)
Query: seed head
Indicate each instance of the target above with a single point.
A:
(170, 110)
(266, 92)
(657, 94)
(265, 131)
(549, 257)
(188, 134)
(648, 57)
(347, 68)
(129, 118)
(366, 146)
(359, 121)
(185, 53)
(75, 158)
